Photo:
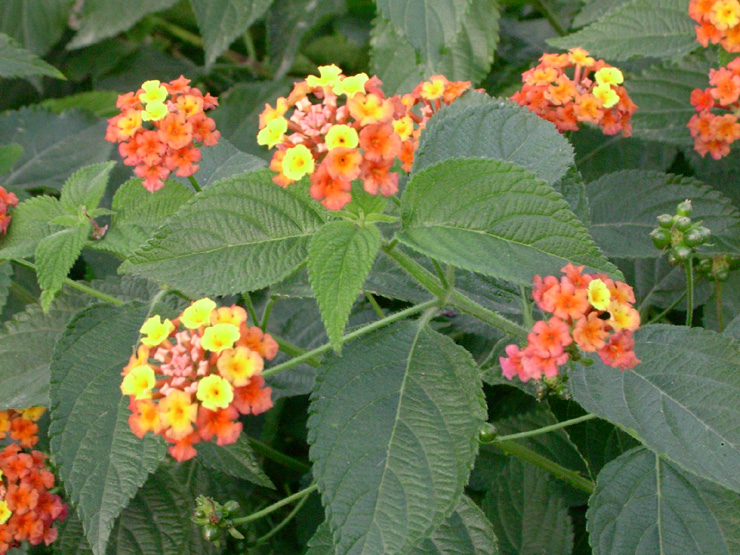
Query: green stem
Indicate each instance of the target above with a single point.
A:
(689, 266)
(293, 350)
(266, 312)
(667, 310)
(278, 457)
(177, 31)
(546, 429)
(249, 46)
(571, 476)
(718, 298)
(357, 333)
(250, 307)
(22, 293)
(282, 524)
(526, 307)
(374, 304)
(195, 184)
(275, 506)
(441, 274)
(544, 8)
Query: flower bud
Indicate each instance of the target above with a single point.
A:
(684, 209)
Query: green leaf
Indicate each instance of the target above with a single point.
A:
(339, 259)
(221, 21)
(225, 160)
(139, 213)
(593, 10)
(6, 281)
(654, 28)
(621, 224)
(31, 223)
(85, 187)
(236, 460)
(106, 18)
(26, 344)
(573, 189)
(9, 155)
(55, 256)
(35, 29)
(19, 62)
(71, 539)
(393, 59)
(501, 221)
(101, 462)
(239, 235)
(526, 514)
(497, 129)
(643, 504)
(681, 401)
(100, 103)
(54, 146)
(393, 428)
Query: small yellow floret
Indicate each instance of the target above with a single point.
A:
(329, 77)
(139, 382)
(403, 127)
(156, 331)
(198, 314)
(297, 162)
(351, 85)
(153, 92)
(33, 413)
(273, 132)
(214, 392)
(606, 94)
(432, 90)
(598, 294)
(5, 512)
(177, 412)
(725, 14)
(220, 337)
(154, 111)
(239, 365)
(623, 317)
(341, 136)
(609, 76)
(580, 56)
(129, 123)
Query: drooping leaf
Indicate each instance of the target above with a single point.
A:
(680, 401)
(625, 205)
(239, 235)
(85, 187)
(393, 429)
(101, 462)
(55, 256)
(573, 189)
(656, 28)
(236, 460)
(35, 29)
(644, 504)
(100, 103)
(393, 58)
(339, 258)
(9, 155)
(221, 21)
(500, 221)
(19, 62)
(497, 129)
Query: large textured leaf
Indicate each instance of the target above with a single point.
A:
(85, 187)
(644, 505)
(19, 62)
(55, 256)
(241, 234)
(593, 10)
(393, 429)
(31, 223)
(625, 205)
(236, 460)
(681, 401)
(35, 29)
(54, 145)
(106, 18)
(9, 155)
(495, 218)
(339, 259)
(495, 129)
(656, 28)
(221, 21)
(100, 103)
(101, 462)
(224, 160)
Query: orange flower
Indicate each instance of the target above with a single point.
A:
(343, 163)
(590, 333)
(377, 177)
(380, 142)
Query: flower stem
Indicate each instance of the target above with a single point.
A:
(526, 307)
(195, 184)
(374, 304)
(667, 310)
(546, 429)
(250, 307)
(278, 457)
(718, 298)
(544, 8)
(275, 506)
(266, 312)
(286, 520)
(689, 266)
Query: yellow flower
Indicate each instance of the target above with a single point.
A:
(297, 162)
(351, 85)
(598, 294)
(214, 392)
(139, 382)
(177, 411)
(239, 365)
(198, 314)
(580, 56)
(189, 104)
(129, 123)
(403, 127)
(432, 90)
(623, 317)
(154, 111)
(606, 94)
(229, 315)
(156, 331)
(33, 413)
(341, 135)
(329, 77)
(153, 92)
(5, 512)
(609, 76)
(220, 337)
(273, 132)
(725, 14)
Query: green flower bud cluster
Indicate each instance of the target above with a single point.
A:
(678, 234)
(718, 267)
(214, 518)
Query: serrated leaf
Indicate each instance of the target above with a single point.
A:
(393, 432)
(393, 58)
(54, 146)
(495, 218)
(497, 129)
(6, 281)
(237, 460)
(31, 223)
(34, 29)
(71, 539)
(681, 401)
(221, 21)
(593, 10)
(340, 256)
(225, 160)
(139, 213)
(85, 187)
(643, 504)
(19, 62)
(101, 462)
(9, 155)
(55, 256)
(655, 28)
(100, 103)
(621, 224)
(573, 189)
(241, 234)
(102, 19)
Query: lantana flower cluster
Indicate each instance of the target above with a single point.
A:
(714, 132)
(159, 127)
(719, 22)
(192, 377)
(572, 88)
(20, 425)
(7, 200)
(344, 128)
(590, 312)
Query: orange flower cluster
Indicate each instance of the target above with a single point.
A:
(21, 425)
(191, 377)
(719, 22)
(592, 93)
(589, 311)
(715, 133)
(7, 200)
(177, 121)
(27, 508)
(344, 128)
